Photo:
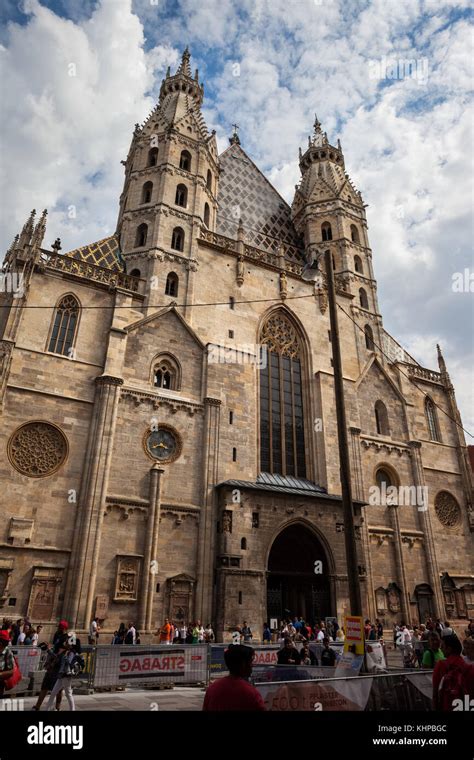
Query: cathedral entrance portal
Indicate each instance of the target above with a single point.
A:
(298, 576)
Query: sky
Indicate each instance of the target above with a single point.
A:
(77, 75)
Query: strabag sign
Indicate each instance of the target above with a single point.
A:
(120, 665)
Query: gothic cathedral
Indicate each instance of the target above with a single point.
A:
(169, 441)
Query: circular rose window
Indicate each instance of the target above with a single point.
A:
(37, 449)
(447, 509)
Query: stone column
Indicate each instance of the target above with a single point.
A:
(207, 521)
(152, 538)
(401, 577)
(358, 483)
(433, 571)
(84, 560)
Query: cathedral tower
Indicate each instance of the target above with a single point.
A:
(328, 211)
(170, 189)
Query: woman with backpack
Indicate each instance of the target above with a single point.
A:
(68, 656)
(7, 662)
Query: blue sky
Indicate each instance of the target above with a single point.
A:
(407, 140)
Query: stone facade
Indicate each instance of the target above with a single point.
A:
(164, 341)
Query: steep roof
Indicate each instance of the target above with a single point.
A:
(103, 253)
(245, 193)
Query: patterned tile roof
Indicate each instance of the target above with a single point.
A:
(104, 253)
(246, 193)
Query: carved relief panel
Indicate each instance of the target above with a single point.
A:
(127, 579)
(45, 585)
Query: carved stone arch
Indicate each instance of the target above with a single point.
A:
(391, 471)
(313, 529)
(166, 358)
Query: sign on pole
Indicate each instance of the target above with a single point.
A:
(354, 630)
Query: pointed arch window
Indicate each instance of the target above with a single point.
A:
(326, 231)
(146, 192)
(65, 322)
(185, 161)
(172, 282)
(355, 234)
(207, 214)
(153, 157)
(358, 265)
(209, 180)
(363, 300)
(282, 444)
(181, 198)
(381, 418)
(177, 239)
(141, 236)
(432, 421)
(164, 375)
(369, 338)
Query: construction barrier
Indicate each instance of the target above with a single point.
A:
(30, 659)
(395, 692)
(265, 655)
(142, 664)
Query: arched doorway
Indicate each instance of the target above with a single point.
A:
(293, 586)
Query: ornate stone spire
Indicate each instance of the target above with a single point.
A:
(442, 365)
(182, 82)
(27, 231)
(39, 231)
(184, 66)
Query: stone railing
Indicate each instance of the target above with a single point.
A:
(79, 268)
(424, 374)
(291, 254)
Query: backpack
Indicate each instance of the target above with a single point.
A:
(10, 683)
(451, 687)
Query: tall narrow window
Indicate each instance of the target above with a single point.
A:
(185, 161)
(146, 192)
(181, 198)
(282, 448)
(354, 234)
(209, 180)
(326, 231)
(207, 214)
(363, 300)
(177, 239)
(141, 236)
(153, 157)
(432, 420)
(358, 265)
(381, 418)
(369, 338)
(164, 375)
(64, 329)
(172, 282)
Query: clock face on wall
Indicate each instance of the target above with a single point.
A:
(163, 445)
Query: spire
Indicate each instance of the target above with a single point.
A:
(441, 362)
(39, 231)
(184, 67)
(27, 231)
(317, 125)
(235, 139)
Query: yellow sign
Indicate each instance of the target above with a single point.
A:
(354, 634)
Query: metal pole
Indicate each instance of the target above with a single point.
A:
(345, 471)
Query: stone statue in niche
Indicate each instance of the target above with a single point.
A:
(393, 600)
(227, 521)
(126, 585)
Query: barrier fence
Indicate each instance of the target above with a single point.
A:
(118, 666)
(391, 692)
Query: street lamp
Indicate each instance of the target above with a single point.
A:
(311, 273)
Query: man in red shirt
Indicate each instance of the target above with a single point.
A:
(234, 692)
(453, 678)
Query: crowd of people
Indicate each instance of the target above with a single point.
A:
(301, 631)
(420, 645)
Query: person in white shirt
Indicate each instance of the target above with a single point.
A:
(183, 632)
(21, 637)
(94, 632)
(320, 635)
(35, 635)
